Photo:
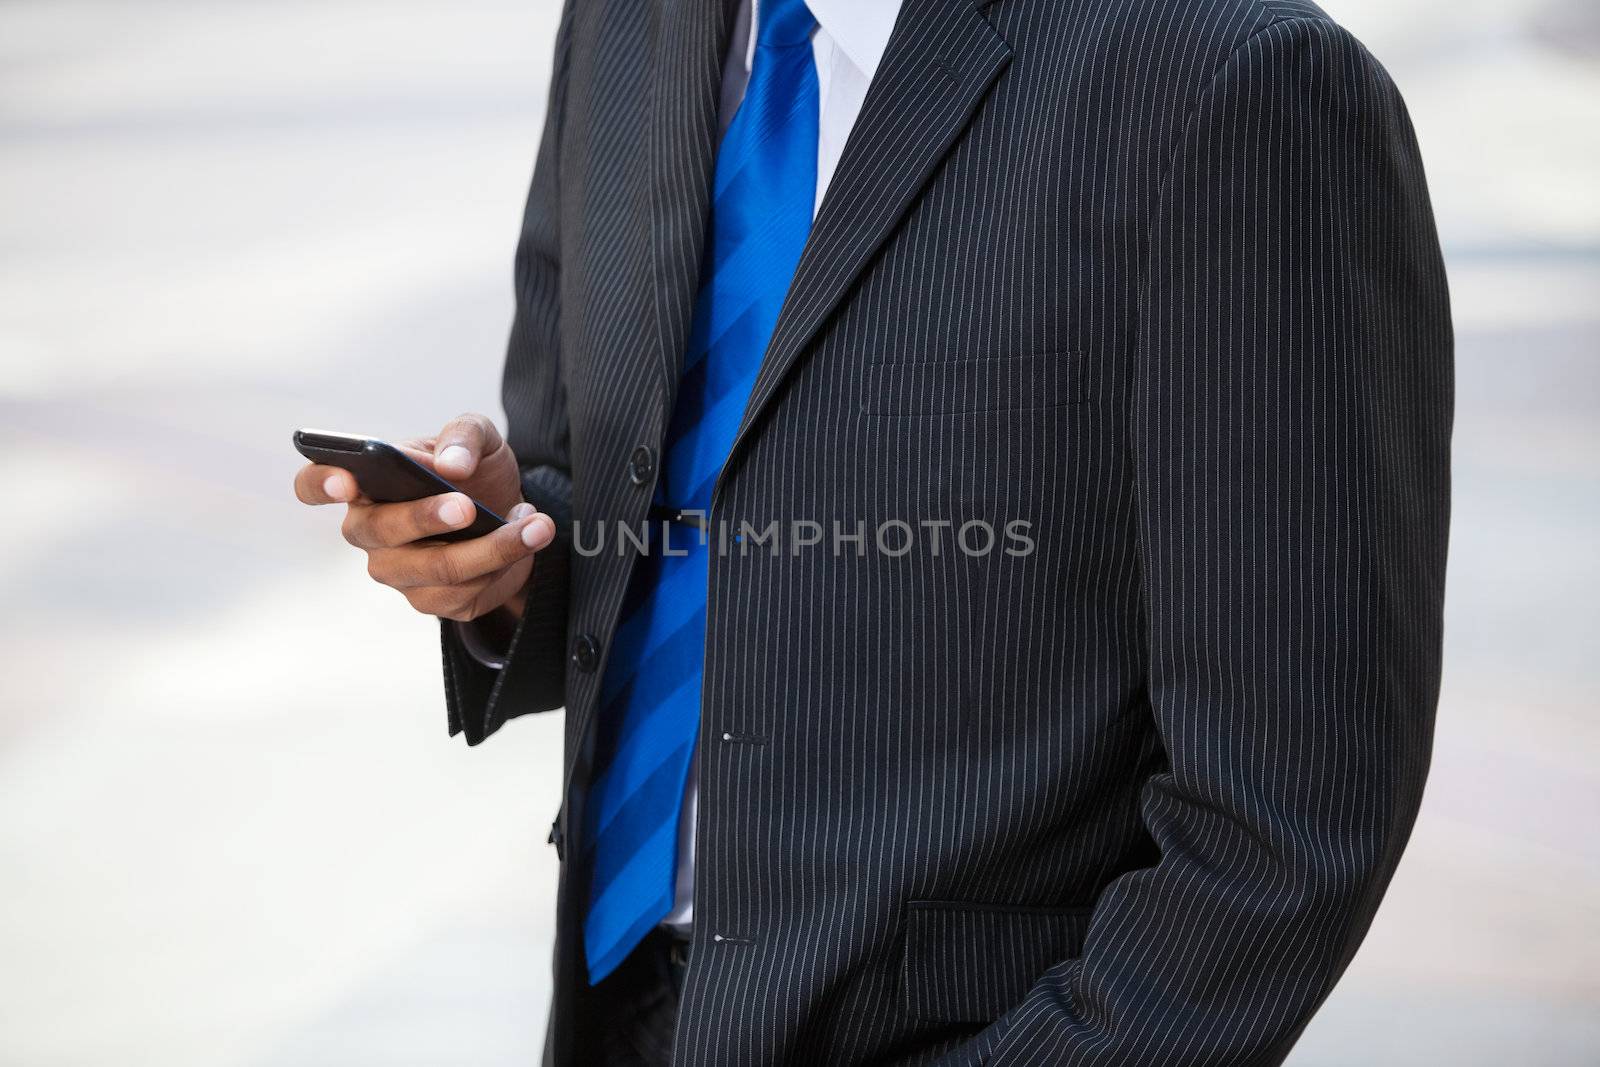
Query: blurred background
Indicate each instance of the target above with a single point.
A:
(232, 830)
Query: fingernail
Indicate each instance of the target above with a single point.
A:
(334, 487)
(454, 456)
(539, 532)
(451, 513)
(521, 511)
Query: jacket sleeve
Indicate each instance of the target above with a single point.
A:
(479, 697)
(1290, 429)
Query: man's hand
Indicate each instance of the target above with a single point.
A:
(461, 580)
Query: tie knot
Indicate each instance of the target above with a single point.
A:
(783, 22)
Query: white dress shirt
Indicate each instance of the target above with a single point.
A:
(848, 45)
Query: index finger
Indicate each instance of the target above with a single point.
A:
(321, 483)
(464, 440)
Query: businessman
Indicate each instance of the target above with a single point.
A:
(978, 479)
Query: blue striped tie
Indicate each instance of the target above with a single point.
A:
(763, 191)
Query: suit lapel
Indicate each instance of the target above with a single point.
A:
(685, 86)
(941, 62)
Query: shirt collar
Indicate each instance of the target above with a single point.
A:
(860, 28)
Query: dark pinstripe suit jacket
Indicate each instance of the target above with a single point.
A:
(1158, 277)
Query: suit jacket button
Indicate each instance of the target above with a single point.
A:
(586, 653)
(642, 465)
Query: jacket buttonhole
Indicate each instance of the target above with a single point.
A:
(743, 739)
(948, 68)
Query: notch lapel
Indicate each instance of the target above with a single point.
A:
(685, 88)
(940, 63)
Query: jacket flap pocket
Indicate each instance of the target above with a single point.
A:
(973, 962)
(951, 387)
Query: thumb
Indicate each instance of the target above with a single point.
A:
(462, 443)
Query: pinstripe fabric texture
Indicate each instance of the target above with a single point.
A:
(764, 192)
(1159, 278)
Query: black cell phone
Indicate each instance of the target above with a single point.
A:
(387, 475)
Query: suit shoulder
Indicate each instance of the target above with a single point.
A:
(1177, 47)
(1190, 26)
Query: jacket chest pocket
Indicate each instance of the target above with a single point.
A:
(970, 963)
(953, 387)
